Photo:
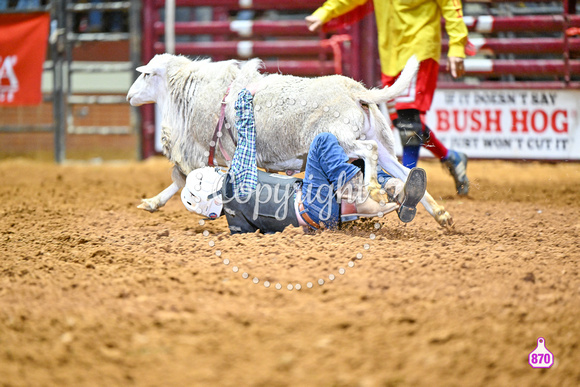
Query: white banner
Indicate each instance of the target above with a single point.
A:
(508, 124)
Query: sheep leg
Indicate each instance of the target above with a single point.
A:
(156, 202)
(390, 163)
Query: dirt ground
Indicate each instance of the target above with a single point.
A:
(95, 292)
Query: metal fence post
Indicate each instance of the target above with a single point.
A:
(135, 58)
(59, 104)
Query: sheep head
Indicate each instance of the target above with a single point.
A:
(151, 85)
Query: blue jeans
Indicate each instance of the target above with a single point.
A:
(327, 169)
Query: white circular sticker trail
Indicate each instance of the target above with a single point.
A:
(309, 284)
(291, 286)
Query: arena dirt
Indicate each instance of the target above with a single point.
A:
(95, 292)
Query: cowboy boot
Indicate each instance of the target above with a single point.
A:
(411, 194)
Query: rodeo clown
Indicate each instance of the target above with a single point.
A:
(332, 191)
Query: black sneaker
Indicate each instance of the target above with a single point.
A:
(413, 192)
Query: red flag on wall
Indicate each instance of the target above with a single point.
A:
(23, 41)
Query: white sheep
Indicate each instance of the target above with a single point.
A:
(289, 112)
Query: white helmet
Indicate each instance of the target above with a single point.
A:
(202, 192)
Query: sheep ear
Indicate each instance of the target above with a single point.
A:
(144, 69)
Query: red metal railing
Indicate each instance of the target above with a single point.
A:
(547, 71)
(545, 23)
(239, 28)
(250, 49)
(246, 4)
(523, 46)
(520, 67)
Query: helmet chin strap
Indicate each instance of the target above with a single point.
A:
(213, 195)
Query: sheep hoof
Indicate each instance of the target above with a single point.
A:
(148, 205)
(445, 219)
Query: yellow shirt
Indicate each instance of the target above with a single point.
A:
(407, 27)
